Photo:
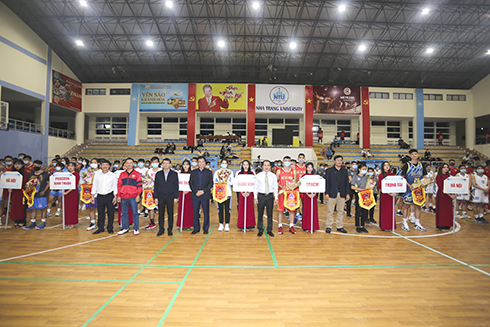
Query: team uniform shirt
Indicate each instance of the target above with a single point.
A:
(464, 197)
(285, 178)
(142, 171)
(300, 171)
(478, 195)
(453, 171)
(412, 172)
(431, 188)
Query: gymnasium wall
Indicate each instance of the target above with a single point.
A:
(481, 97)
(15, 142)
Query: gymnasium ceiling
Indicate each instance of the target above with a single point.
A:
(396, 35)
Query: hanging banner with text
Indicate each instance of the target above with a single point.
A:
(164, 97)
(221, 97)
(280, 98)
(337, 100)
(66, 92)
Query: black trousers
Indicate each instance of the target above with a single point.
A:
(371, 211)
(265, 201)
(162, 203)
(224, 210)
(348, 204)
(361, 214)
(105, 202)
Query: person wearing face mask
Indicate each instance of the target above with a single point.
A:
(151, 173)
(462, 200)
(21, 156)
(28, 165)
(116, 165)
(39, 180)
(52, 166)
(300, 169)
(17, 206)
(140, 168)
(56, 194)
(321, 172)
(359, 183)
(373, 184)
(86, 181)
(285, 176)
(351, 173)
(453, 170)
(194, 163)
(224, 175)
(480, 189)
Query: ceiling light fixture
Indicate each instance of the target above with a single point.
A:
(488, 52)
(169, 4)
(362, 47)
(255, 5)
(430, 50)
(221, 43)
(149, 43)
(293, 45)
(425, 11)
(79, 43)
(83, 3)
(341, 8)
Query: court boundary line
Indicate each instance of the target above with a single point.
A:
(177, 292)
(96, 313)
(89, 280)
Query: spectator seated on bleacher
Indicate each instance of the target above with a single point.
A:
(200, 143)
(328, 153)
(427, 155)
(206, 153)
(402, 144)
(157, 151)
(366, 153)
(336, 142)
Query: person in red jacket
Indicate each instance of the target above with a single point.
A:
(129, 188)
(453, 170)
(211, 102)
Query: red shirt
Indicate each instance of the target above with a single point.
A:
(320, 134)
(469, 170)
(453, 171)
(129, 185)
(300, 171)
(487, 172)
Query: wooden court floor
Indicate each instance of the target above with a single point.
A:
(56, 277)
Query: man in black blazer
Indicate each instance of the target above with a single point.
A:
(337, 191)
(201, 183)
(166, 195)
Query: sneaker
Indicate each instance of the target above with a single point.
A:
(31, 226)
(458, 216)
(220, 228)
(405, 227)
(279, 230)
(48, 214)
(121, 232)
(41, 226)
(292, 230)
(227, 227)
(92, 226)
(150, 226)
(419, 227)
(136, 232)
(145, 215)
(481, 220)
(399, 213)
(57, 214)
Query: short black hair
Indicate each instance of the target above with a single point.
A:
(224, 159)
(337, 156)
(452, 160)
(128, 159)
(8, 157)
(194, 158)
(200, 157)
(117, 161)
(167, 159)
(412, 151)
(105, 161)
(141, 160)
(28, 156)
(38, 162)
(265, 162)
(461, 166)
(301, 154)
(286, 157)
(155, 158)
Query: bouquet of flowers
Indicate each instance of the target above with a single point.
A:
(230, 92)
(87, 176)
(223, 174)
(148, 182)
(32, 183)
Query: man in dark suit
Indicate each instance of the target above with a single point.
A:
(210, 102)
(201, 183)
(166, 195)
(337, 191)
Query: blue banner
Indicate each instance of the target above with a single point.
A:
(163, 97)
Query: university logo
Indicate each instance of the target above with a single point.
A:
(347, 91)
(279, 95)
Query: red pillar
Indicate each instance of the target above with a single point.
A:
(308, 115)
(191, 116)
(251, 115)
(366, 120)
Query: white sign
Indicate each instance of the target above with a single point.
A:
(244, 183)
(184, 182)
(393, 184)
(312, 184)
(12, 180)
(280, 98)
(62, 181)
(456, 185)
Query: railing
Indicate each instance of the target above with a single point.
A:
(24, 126)
(482, 139)
(63, 133)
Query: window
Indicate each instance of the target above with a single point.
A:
(261, 120)
(154, 120)
(276, 121)
(403, 96)
(111, 125)
(239, 120)
(292, 121)
(183, 119)
(393, 130)
(455, 97)
(393, 123)
(428, 124)
(262, 127)
(379, 95)
(260, 133)
(239, 126)
(410, 130)
(442, 125)
(223, 120)
(171, 120)
(207, 120)
(328, 122)
(103, 120)
(378, 123)
(206, 126)
(433, 97)
(154, 125)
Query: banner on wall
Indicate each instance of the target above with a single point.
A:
(66, 92)
(221, 97)
(337, 100)
(280, 98)
(164, 97)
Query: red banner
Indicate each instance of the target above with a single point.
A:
(148, 199)
(86, 194)
(220, 192)
(66, 92)
(366, 199)
(418, 196)
(291, 200)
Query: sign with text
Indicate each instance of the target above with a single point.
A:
(12, 180)
(164, 97)
(244, 183)
(184, 182)
(221, 97)
(67, 92)
(393, 184)
(312, 184)
(280, 98)
(337, 100)
(456, 185)
(62, 181)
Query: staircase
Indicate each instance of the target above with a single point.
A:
(76, 149)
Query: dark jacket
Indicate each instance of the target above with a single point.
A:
(129, 185)
(166, 189)
(331, 186)
(206, 184)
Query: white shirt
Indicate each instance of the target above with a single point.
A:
(216, 179)
(104, 183)
(142, 171)
(260, 184)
